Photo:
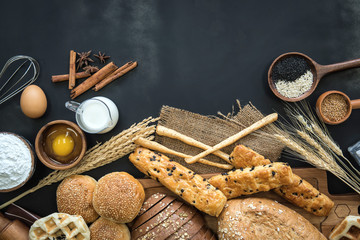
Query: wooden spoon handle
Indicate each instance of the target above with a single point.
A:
(355, 104)
(325, 69)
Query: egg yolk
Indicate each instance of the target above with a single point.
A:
(63, 145)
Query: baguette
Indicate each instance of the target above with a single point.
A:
(252, 180)
(301, 193)
(190, 186)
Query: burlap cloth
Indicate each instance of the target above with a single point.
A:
(212, 130)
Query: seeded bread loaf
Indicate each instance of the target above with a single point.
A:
(258, 218)
(190, 186)
(300, 192)
(252, 180)
(170, 220)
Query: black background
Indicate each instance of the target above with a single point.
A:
(197, 55)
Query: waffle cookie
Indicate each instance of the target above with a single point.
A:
(300, 192)
(252, 180)
(348, 229)
(190, 186)
(60, 226)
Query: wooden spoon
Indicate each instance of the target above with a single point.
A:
(317, 70)
(351, 104)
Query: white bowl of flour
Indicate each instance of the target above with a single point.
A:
(17, 161)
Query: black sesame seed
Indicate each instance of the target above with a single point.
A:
(289, 68)
(273, 173)
(173, 168)
(170, 174)
(182, 190)
(251, 169)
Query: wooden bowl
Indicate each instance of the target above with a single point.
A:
(49, 160)
(28, 145)
(319, 108)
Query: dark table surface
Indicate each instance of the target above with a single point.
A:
(197, 55)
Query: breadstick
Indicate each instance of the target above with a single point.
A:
(247, 181)
(158, 147)
(72, 69)
(255, 126)
(188, 185)
(300, 192)
(167, 132)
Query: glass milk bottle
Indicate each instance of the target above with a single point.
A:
(95, 115)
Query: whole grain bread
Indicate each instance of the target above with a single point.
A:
(259, 218)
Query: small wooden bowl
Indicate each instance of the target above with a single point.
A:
(47, 160)
(32, 162)
(319, 109)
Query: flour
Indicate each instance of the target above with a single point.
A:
(15, 161)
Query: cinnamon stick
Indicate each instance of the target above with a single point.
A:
(93, 80)
(72, 69)
(118, 73)
(65, 77)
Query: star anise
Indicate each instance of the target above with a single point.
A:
(91, 69)
(102, 57)
(83, 59)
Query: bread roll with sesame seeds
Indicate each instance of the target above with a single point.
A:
(118, 196)
(74, 196)
(103, 229)
(260, 218)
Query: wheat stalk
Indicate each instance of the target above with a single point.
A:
(101, 154)
(310, 157)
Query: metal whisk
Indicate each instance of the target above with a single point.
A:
(28, 69)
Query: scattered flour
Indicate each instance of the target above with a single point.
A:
(15, 161)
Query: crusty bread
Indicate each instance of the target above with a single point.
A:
(118, 196)
(300, 192)
(74, 196)
(193, 188)
(170, 219)
(258, 218)
(252, 180)
(243, 157)
(303, 194)
(103, 229)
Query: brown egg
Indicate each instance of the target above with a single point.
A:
(33, 101)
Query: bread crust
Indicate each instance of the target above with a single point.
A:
(190, 186)
(259, 218)
(118, 196)
(105, 229)
(300, 192)
(252, 180)
(74, 196)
